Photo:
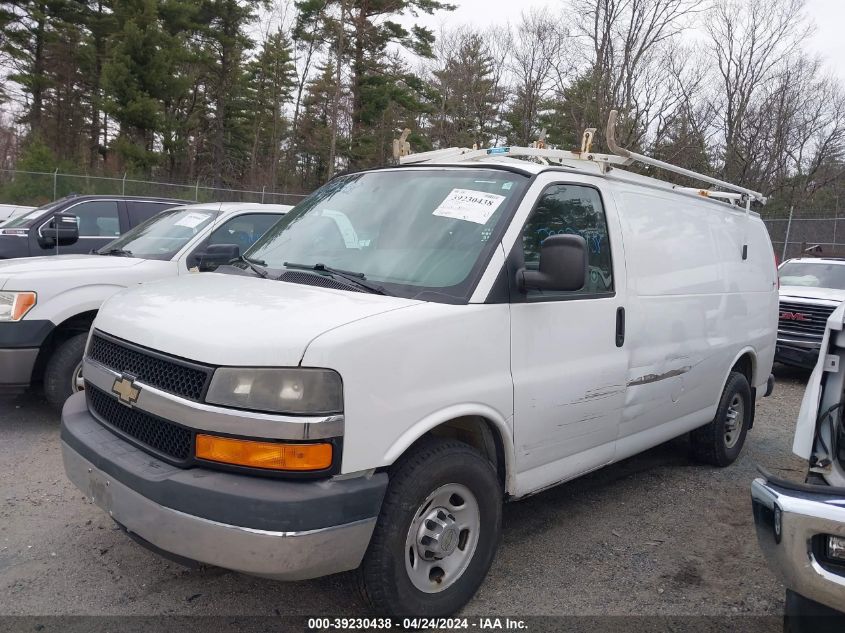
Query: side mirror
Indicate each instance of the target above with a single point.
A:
(63, 230)
(216, 255)
(563, 265)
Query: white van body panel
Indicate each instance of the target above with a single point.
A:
(407, 371)
(694, 306)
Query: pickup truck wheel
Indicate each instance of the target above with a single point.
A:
(63, 373)
(720, 442)
(437, 533)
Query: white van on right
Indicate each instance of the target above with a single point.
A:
(411, 347)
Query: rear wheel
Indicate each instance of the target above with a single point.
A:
(437, 532)
(63, 373)
(720, 442)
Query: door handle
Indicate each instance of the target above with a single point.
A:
(620, 327)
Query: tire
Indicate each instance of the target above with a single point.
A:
(60, 372)
(460, 484)
(720, 442)
(802, 615)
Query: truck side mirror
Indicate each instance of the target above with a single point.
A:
(563, 265)
(216, 255)
(62, 230)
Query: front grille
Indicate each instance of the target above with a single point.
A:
(176, 377)
(162, 436)
(804, 319)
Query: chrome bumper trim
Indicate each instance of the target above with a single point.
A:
(791, 555)
(203, 417)
(279, 555)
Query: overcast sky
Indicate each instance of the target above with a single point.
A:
(828, 15)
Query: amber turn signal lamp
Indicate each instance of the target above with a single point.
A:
(23, 304)
(269, 455)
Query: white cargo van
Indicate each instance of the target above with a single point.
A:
(47, 304)
(410, 347)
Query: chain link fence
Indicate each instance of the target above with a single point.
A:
(37, 188)
(807, 232)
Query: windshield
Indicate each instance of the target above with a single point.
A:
(163, 235)
(814, 275)
(410, 230)
(27, 218)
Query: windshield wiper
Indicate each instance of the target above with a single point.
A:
(117, 252)
(254, 265)
(358, 279)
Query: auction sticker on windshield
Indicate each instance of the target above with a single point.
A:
(192, 220)
(469, 205)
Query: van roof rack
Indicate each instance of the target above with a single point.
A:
(621, 157)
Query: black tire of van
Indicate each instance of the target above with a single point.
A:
(709, 443)
(802, 615)
(436, 464)
(59, 374)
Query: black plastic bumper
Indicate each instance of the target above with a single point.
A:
(796, 356)
(250, 502)
(24, 334)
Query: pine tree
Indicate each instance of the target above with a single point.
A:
(468, 95)
(270, 83)
(139, 77)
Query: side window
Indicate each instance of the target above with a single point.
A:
(98, 218)
(576, 210)
(141, 211)
(244, 230)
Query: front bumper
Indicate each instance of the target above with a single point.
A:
(20, 343)
(16, 367)
(799, 353)
(288, 530)
(804, 517)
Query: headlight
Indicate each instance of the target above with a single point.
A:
(295, 390)
(14, 305)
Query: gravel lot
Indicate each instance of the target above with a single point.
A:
(653, 535)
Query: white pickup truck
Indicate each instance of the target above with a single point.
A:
(801, 526)
(47, 304)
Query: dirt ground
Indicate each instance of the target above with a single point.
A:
(653, 535)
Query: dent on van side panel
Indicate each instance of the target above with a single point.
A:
(692, 305)
(405, 371)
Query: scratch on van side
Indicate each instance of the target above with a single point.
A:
(649, 378)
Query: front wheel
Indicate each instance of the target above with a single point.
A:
(720, 442)
(437, 532)
(63, 373)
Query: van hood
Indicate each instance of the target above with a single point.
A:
(807, 292)
(63, 263)
(223, 319)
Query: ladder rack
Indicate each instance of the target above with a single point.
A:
(620, 157)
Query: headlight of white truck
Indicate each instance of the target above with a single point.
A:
(297, 391)
(14, 305)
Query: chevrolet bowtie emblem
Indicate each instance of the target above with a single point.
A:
(124, 388)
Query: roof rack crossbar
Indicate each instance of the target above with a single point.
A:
(610, 135)
(735, 194)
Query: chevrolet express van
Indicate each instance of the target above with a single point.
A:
(410, 347)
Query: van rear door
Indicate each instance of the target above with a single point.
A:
(568, 357)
